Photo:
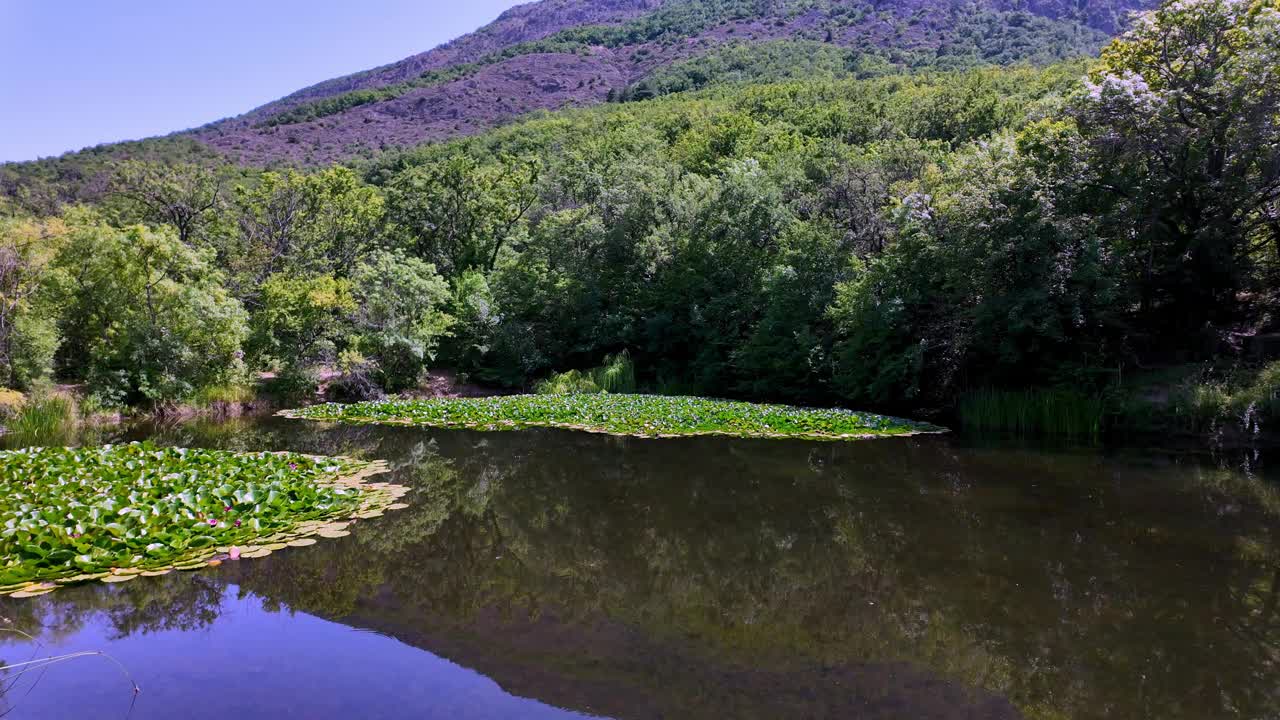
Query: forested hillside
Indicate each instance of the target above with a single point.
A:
(571, 53)
(783, 219)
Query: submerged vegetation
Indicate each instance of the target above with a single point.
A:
(113, 513)
(635, 415)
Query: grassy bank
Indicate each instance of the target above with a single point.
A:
(635, 415)
(116, 512)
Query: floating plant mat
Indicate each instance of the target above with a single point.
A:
(117, 512)
(635, 415)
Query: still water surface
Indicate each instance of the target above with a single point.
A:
(548, 574)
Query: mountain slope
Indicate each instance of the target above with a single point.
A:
(558, 53)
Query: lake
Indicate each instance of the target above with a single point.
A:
(552, 574)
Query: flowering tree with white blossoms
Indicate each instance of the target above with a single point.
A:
(1181, 123)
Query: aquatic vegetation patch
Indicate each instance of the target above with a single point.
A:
(117, 512)
(635, 415)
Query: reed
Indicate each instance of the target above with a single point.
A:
(1033, 412)
(47, 419)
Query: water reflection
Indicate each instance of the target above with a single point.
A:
(719, 578)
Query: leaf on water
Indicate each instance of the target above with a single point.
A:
(119, 578)
(32, 593)
(302, 542)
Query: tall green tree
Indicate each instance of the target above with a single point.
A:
(185, 196)
(400, 315)
(316, 223)
(458, 213)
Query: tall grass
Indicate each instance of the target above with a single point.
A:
(1033, 412)
(226, 394)
(616, 375)
(46, 419)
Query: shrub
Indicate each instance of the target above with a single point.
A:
(225, 394)
(400, 315)
(400, 361)
(146, 318)
(294, 383)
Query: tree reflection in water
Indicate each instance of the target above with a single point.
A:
(723, 578)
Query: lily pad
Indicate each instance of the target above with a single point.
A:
(35, 591)
(119, 578)
(119, 512)
(651, 416)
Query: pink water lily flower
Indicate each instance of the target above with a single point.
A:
(213, 523)
(227, 508)
(235, 553)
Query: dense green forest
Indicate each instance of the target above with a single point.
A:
(751, 227)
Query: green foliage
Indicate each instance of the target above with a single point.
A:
(835, 232)
(186, 196)
(79, 514)
(28, 330)
(294, 383)
(979, 280)
(616, 375)
(301, 320)
(144, 316)
(316, 223)
(400, 315)
(1244, 400)
(230, 394)
(640, 415)
(1178, 148)
(458, 213)
(476, 322)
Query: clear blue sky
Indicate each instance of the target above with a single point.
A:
(75, 73)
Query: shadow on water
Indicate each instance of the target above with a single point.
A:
(692, 578)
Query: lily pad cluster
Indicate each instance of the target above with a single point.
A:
(118, 512)
(635, 415)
